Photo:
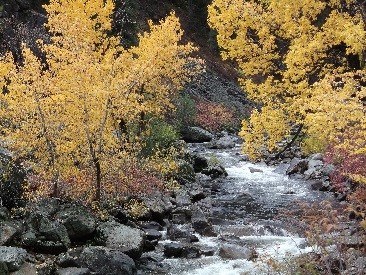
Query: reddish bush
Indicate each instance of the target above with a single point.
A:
(348, 166)
(213, 116)
(129, 179)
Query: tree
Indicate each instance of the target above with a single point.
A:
(304, 63)
(63, 114)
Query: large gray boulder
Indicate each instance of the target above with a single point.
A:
(79, 222)
(124, 238)
(8, 230)
(196, 135)
(224, 142)
(44, 235)
(233, 252)
(13, 257)
(297, 166)
(73, 271)
(105, 261)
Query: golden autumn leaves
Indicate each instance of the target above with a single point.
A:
(67, 114)
(295, 62)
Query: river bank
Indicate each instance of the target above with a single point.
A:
(222, 220)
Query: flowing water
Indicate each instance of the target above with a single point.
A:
(245, 215)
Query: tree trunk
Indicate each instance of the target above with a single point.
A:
(98, 180)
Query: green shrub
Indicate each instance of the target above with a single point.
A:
(186, 112)
(160, 136)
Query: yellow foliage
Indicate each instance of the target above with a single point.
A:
(64, 114)
(295, 61)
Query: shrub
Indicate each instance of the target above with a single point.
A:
(186, 112)
(213, 116)
(160, 136)
(130, 177)
(349, 166)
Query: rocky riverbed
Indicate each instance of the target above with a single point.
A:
(222, 220)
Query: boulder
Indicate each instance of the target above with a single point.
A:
(225, 142)
(79, 222)
(13, 257)
(297, 166)
(4, 214)
(8, 230)
(105, 261)
(178, 250)
(174, 232)
(44, 235)
(232, 252)
(124, 238)
(73, 271)
(26, 269)
(255, 170)
(152, 234)
(196, 135)
(152, 225)
(152, 239)
(201, 224)
(199, 162)
(197, 194)
(181, 215)
(159, 206)
(215, 171)
(173, 250)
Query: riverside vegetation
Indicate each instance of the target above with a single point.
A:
(91, 121)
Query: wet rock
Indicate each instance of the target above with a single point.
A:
(173, 250)
(196, 135)
(44, 235)
(316, 185)
(79, 222)
(297, 166)
(232, 252)
(255, 170)
(197, 194)
(124, 238)
(191, 252)
(106, 261)
(150, 265)
(174, 233)
(207, 251)
(73, 271)
(215, 172)
(314, 170)
(201, 224)
(225, 142)
(177, 250)
(199, 163)
(282, 168)
(181, 215)
(13, 257)
(152, 225)
(152, 234)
